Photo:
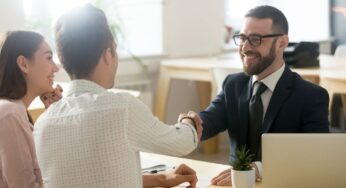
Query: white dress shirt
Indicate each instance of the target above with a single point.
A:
(92, 138)
(270, 81)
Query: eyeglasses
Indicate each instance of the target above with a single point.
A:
(254, 39)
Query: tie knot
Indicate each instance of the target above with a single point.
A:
(259, 88)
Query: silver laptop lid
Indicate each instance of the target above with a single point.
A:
(304, 160)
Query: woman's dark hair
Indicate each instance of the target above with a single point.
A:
(15, 44)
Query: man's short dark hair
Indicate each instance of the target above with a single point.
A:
(81, 37)
(280, 24)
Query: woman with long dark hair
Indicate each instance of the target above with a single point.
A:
(26, 71)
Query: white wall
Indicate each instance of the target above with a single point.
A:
(193, 27)
(12, 15)
(190, 28)
(308, 19)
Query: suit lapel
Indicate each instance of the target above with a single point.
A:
(281, 92)
(244, 98)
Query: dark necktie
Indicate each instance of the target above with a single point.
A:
(256, 118)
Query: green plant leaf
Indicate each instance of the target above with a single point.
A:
(242, 159)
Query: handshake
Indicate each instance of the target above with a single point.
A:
(192, 118)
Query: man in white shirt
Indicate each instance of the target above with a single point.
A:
(268, 97)
(92, 137)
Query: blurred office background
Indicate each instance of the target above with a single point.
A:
(149, 31)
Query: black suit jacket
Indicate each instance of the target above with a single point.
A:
(296, 106)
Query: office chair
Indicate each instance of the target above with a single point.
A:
(340, 51)
(219, 74)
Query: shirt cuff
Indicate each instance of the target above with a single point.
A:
(259, 167)
(193, 130)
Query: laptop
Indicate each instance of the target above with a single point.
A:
(304, 160)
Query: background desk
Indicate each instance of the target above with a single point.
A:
(197, 69)
(205, 171)
(335, 82)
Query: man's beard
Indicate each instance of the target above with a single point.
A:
(264, 62)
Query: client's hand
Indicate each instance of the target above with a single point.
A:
(171, 178)
(222, 179)
(51, 97)
(180, 174)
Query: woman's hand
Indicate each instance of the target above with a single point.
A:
(51, 97)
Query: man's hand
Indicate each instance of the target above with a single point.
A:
(171, 178)
(51, 97)
(197, 121)
(222, 179)
(179, 175)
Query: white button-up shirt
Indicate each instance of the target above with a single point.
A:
(270, 81)
(92, 138)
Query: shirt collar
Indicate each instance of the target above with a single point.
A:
(78, 87)
(271, 80)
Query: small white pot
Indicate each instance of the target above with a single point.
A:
(243, 179)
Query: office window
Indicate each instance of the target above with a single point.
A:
(140, 21)
(234, 16)
(235, 11)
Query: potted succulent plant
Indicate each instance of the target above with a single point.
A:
(243, 175)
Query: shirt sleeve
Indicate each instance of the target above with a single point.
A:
(147, 133)
(17, 163)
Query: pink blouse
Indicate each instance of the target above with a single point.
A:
(18, 162)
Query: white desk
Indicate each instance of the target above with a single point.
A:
(205, 170)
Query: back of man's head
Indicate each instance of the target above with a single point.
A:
(81, 37)
(280, 24)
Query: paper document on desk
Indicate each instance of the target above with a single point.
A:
(156, 168)
(203, 182)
